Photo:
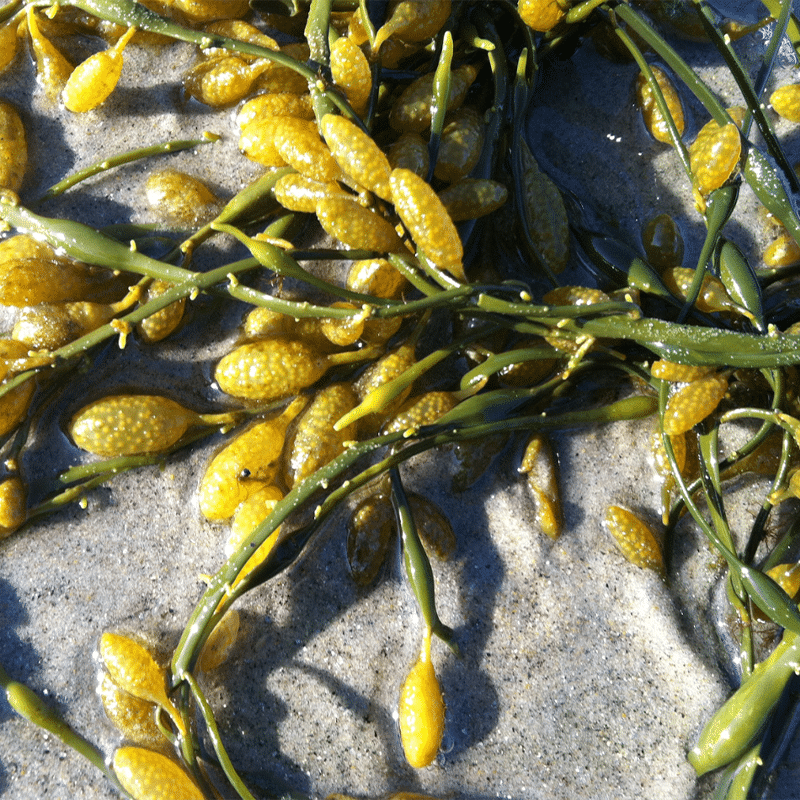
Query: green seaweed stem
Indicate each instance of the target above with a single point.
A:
(674, 61)
(754, 105)
(132, 14)
(769, 597)
(768, 60)
(782, 11)
(439, 100)
(417, 564)
(120, 159)
(666, 114)
(32, 708)
(218, 596)
(216, 740)
(614, 324)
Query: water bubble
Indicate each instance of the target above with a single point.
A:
(786, 56)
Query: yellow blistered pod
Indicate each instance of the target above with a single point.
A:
(278, 78)
(52, 67)
(9, 43)
(792, 490)
(209, 10)
(263, 322)
(127, 425)
(376, 276)
(298, 142)
(133, 668)
(471, 198)
(428, 222)
(540, 466)
(545, 214)
(357, 154)
(251, 513)
(275, 104)
(635, 539)
(258, 143)
(678, 373)
(379, 278)
(315, 442)
(712, 295)
(14, 357)
(269, 369)
(162, 323)
(30, 281)
(224, 81)
(381, 372)
(351, 72)
(410, 151)
(662, 242)
(370, 530)
(412, 110)
(769, 220)
(48, 326)
(715, 153)
(180, 199)
(473, 457)
(295, 192)
(299, 51)
(131, 716)
(342, 332)
(786, 101)
(654, 121)
(14, 405)
(241, 31)
(661, 464)
(13, 148)
(422, 410)
(692, 403)
(148, 775)
(395, 53)
(659, 454)
(461, 143)
(13, 505)
(787, 576)
(218, 646)
(384, 370)
(356, 31)
(309, 330)
(575, 296)
(542, 15)
(783, 252)
(379, 331)
(413, 21)
(526, 373)
(356, 226)
(93, 80)
(435, 530)
(245, 465)
(421, 710)
(22, 246)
